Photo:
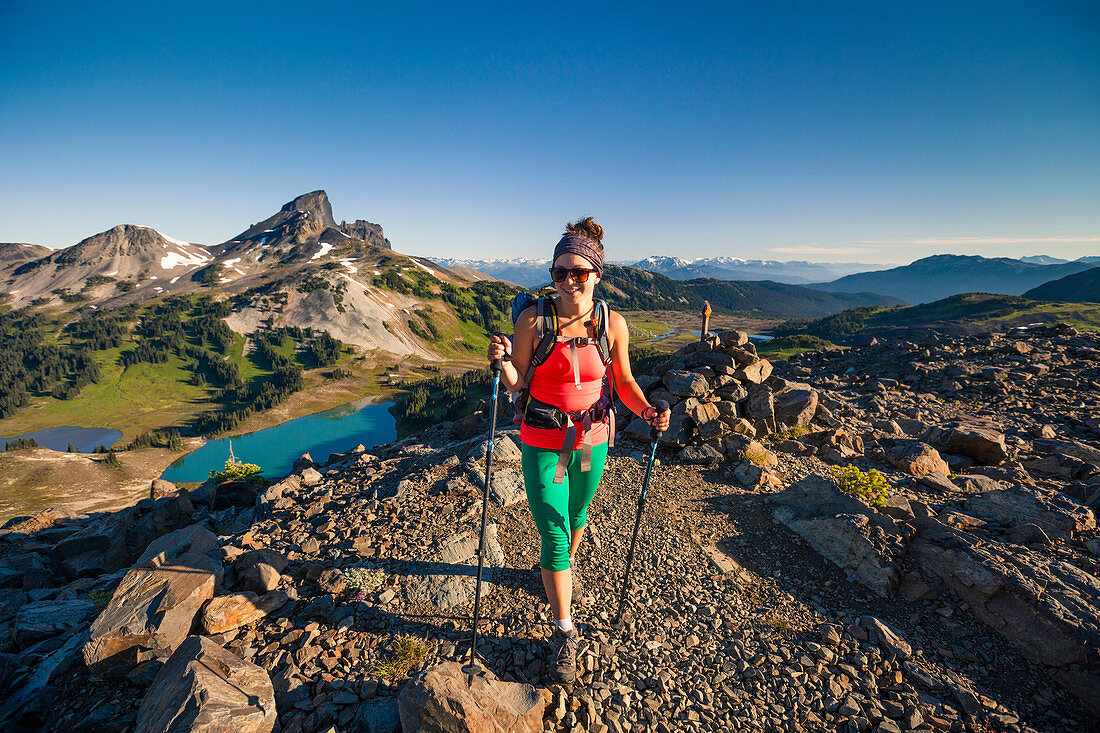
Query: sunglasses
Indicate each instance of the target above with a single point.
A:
(580, 274)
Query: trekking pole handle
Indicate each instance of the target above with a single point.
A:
(660, 406)
(497, 365)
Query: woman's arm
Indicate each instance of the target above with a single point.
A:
(629, 391)
(523, 348)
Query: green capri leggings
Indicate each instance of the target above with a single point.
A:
(559, 509)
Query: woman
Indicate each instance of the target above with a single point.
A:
(572, 379)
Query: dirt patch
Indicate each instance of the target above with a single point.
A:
(32, 480)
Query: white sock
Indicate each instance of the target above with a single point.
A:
(563, 624)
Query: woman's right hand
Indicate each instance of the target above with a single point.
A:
(499, 347)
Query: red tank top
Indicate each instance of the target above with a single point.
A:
(553, 382)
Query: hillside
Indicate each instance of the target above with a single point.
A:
(969, 313)
(1081, 287)
(627, 288)
(940, 276)
(16, 253)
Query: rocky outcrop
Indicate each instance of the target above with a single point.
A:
(225, 613)
(440, 700)
(203, 688)
(1049, 609)
(150, 614)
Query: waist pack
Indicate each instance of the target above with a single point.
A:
(539, 414)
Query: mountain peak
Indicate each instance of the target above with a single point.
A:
(315, 203)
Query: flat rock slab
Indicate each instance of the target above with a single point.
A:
(439, 700)
(1048, 609)
(206, 689)
(150, 613)
(1052, 511)
(447, 577)
(45, 619)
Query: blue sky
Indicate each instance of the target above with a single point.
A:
(874, 132)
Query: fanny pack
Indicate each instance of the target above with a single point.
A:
(545, 416)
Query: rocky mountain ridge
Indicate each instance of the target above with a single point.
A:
(298, 267)
(765, 596)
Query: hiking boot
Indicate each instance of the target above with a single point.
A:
(563, 655)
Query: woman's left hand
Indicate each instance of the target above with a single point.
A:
(658, 419)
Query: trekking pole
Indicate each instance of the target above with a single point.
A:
(654, 435)
(471, 669)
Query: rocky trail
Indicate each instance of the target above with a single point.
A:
(764, 598)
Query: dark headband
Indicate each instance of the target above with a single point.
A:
(578, 244)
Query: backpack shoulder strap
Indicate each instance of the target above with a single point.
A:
(546, 330)
(603, 325)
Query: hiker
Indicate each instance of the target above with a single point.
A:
(567, 417)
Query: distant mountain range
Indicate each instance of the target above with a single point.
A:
(1048, 260)
(941, 276)
(1081, 287)
(628, 288)
(531, 273)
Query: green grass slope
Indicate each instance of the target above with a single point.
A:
(970, 312)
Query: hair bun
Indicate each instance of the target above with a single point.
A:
(586, 227)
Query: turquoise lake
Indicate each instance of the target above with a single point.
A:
(275, 449)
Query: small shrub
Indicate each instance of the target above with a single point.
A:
(789, 434)
(110, 459)
(871, 487)
(780, 624)
(237, 471)
(101, 597)
(362, 580)
(407, 652)
(7, 639)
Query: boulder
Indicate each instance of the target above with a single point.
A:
(174, 545)
(701, 455)
(504, 449)
(226, 613)
(918, 459)
(506, 487)
(755, 373)
(258, 578)
(732, 392)
(702, 413)
(263, 555)
(161, 488)
(11, 600)
(205, 689)
(310, 476)
(733, 338)
(150, 614)
(1056, 514)
(38, 692)
(379, 715)
(886, 638)
(233, 494)
(438, 699)
(686, 384)
(796, 407)
(760, 404)
(983, 444)
(40, 620)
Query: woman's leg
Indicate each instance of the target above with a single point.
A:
(582, 487)
(549, 504)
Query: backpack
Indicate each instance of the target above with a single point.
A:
(544, 415)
